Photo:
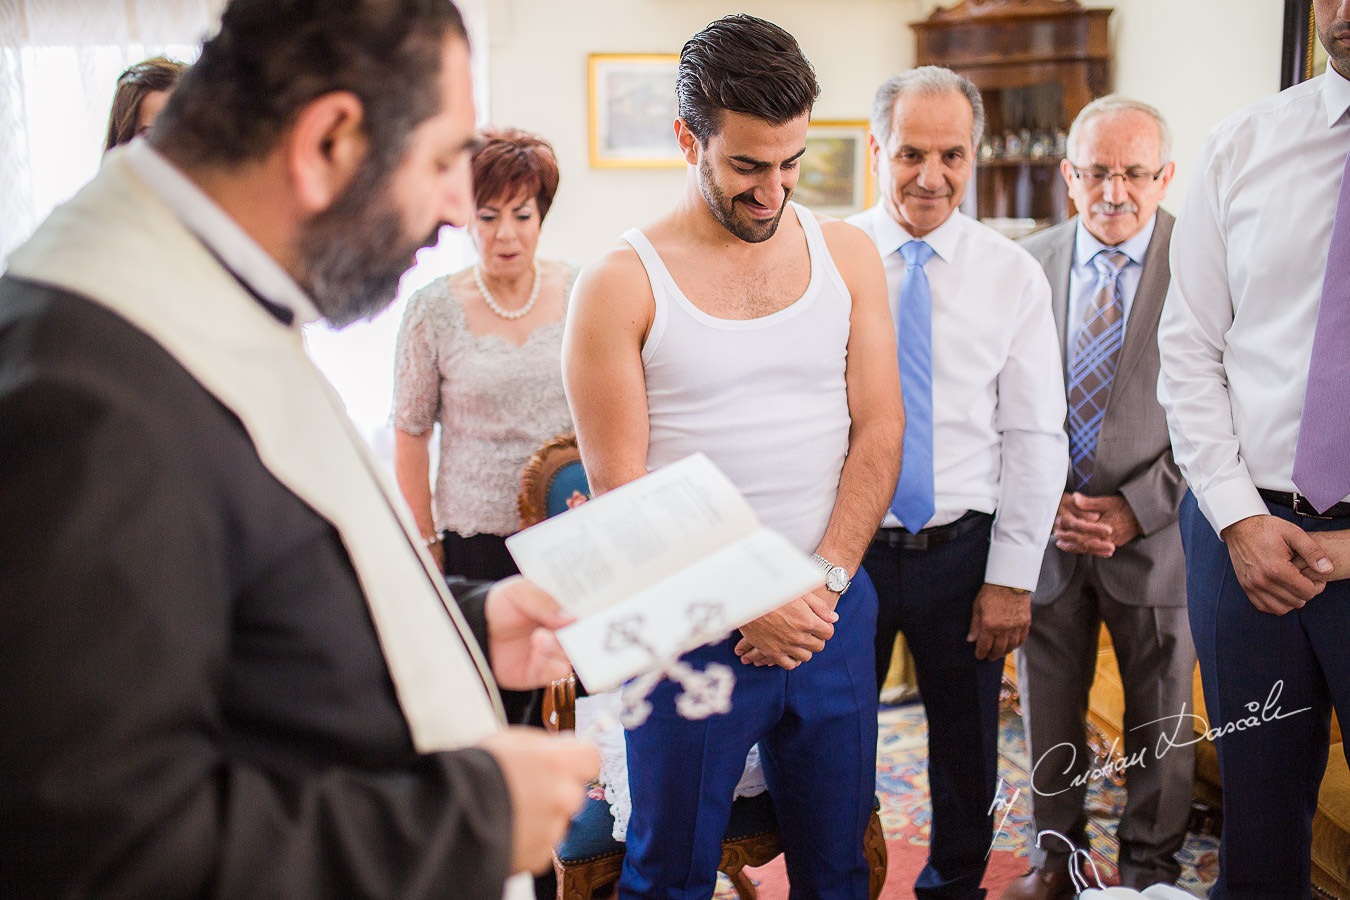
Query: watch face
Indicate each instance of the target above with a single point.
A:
(836, 580)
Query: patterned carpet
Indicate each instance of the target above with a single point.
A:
(902, 783)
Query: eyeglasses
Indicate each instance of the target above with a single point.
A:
(1135, 177)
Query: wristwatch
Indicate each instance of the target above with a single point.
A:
(836, 577)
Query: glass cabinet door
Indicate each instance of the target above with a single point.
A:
(1018, 187)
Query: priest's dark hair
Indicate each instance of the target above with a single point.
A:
(743, 64)
(270, 58)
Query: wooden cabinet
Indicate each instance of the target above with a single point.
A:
(1036, 63)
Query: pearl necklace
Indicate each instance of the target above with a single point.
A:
(491, 301)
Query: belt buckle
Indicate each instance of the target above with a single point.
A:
(917, 541)
(1304, 507)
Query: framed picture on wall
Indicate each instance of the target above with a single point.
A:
(1303, 55)
(836, 178)
(632, 110)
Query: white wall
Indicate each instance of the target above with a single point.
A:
(1197, 62)
(1183, 56)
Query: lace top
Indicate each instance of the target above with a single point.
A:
(496, 404)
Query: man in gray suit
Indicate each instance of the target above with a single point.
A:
(1115, 556)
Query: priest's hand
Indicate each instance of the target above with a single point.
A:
(521, 621)
(547, 776)
(791, 634)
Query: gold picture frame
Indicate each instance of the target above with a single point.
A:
(1303, 55)
(836, 174)
(632, 110)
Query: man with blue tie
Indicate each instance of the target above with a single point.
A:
(1115, 557)
(984, 455)
(1256, 383)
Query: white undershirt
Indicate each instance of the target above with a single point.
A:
(765, 398)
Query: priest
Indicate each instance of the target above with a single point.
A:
(229, 668)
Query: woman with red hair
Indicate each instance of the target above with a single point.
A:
(478, 354)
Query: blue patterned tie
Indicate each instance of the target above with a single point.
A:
(913, 502)
(1092, 367)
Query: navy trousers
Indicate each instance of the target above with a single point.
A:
(1270, 683)
(930, 595)
(816, 727)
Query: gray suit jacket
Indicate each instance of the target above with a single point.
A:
(1134, 453)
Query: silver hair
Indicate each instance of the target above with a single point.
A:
(926, 81)
(1117, 103)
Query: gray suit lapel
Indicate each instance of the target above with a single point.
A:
(1142, 329)
(1058, 264)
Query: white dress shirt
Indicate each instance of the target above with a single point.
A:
(1083, 274)
(1248, 258)
(998, 389)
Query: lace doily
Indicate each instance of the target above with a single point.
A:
(598, 716)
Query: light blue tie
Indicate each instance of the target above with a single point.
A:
(913, 502)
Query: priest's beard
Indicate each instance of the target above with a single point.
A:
(353, 254)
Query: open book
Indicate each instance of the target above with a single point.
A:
(657, 567)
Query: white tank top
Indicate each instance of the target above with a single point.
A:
(764, 398)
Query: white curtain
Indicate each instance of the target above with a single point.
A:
(59, 62)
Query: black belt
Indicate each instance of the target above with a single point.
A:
(931, 537)
(1303, 506)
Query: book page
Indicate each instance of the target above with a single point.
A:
(695, 605)
(611, 547)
